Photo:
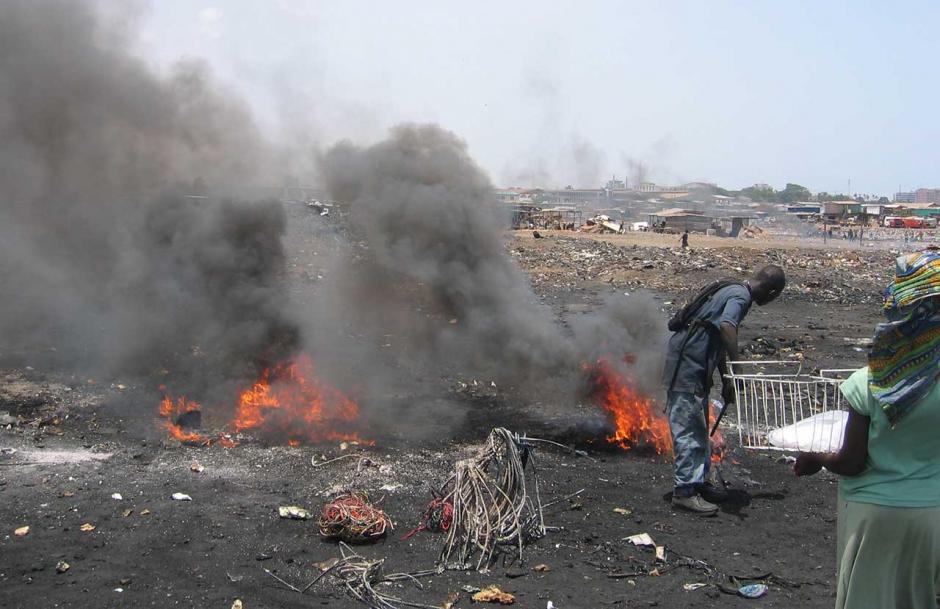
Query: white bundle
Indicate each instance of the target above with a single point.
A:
(821, 433)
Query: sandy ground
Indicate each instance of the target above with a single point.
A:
(75, 448)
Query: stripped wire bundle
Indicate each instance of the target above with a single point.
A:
(492, 509)
(351, 518)
(360, 576)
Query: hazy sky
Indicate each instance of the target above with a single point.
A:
(732, 92)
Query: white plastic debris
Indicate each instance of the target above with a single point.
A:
(641, 539)
(821, 432)
(117, 497)
(181, 497)
(294, 512)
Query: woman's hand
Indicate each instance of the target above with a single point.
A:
(807, 464)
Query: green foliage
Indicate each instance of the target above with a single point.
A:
(825, 196)
(755, 193)
(793, 193)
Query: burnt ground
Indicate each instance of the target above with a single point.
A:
(75, 448)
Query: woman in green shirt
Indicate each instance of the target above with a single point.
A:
(889, 493)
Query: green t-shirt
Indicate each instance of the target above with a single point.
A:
(903, 465)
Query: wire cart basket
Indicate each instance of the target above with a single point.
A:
(781, 408)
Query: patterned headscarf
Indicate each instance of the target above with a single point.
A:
(904, 361)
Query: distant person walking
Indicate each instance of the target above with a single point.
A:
(684, 240)
(705, 336)
(888, 535)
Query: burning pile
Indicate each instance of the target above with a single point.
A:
(288, 401)
(632, 414)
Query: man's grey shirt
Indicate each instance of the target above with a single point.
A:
(692, 370)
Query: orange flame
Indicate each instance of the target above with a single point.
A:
(633, 414)
(717, 440)
(171, 410)
(288, 401)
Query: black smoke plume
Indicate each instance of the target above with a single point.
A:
(427, 214)
(112, 257)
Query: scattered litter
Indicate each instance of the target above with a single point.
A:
(145, 512)
(117, 497)
(67, 494)
(351, 518)
(22, 531)
(550, 605)
(327, 564)
(294, 512)
(234, 578)
(62, 566)
(694, 586)
(641, 539)
(195, 467)
(661, 553)
(126, 513)
(181, 497)
(492, 594)
(664, 527)
(470, 589)
(237, 604)
(451, 600)
(624, 511)
(541, 568)
(753, 590)
(390, 488)
(119, 590)
(87, 527)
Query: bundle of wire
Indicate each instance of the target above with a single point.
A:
(351, 518)
(492, 509)
(437, 518)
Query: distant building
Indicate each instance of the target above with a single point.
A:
(905, 197)
(922, 209)
(575, 196)
(834, 210)
(615, 184)
(927, 195)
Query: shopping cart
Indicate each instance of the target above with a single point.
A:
(781, 408)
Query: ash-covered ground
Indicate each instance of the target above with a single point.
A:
(76, 441)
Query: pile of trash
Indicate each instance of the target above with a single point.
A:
(835, 276)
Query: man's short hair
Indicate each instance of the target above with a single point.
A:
(773, 276)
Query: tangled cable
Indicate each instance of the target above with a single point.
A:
(437, 518)
(491, 506)
(351, 518)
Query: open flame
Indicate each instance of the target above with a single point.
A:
(717, 441)
(287, 401)
(634, 416)
(171, 411)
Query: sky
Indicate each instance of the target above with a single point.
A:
(551, 94)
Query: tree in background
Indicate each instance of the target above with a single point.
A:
(759, 193)
(793, 193)
(825, 196)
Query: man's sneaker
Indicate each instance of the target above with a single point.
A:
(695, 504)
(712, 493)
